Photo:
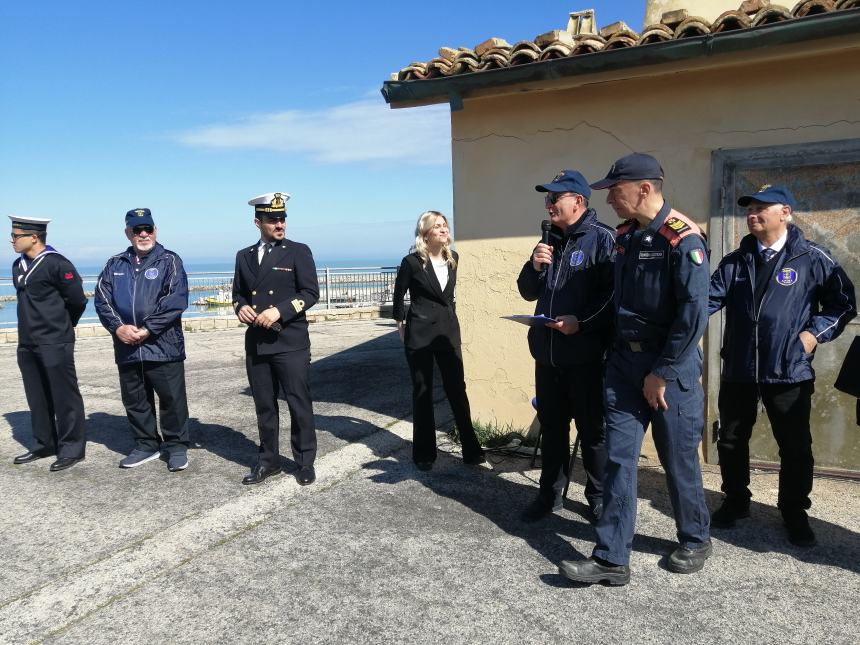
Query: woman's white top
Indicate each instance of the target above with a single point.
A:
(441, 269)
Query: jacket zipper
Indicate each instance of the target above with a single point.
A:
(552, 297)
(134, 306)
(760, 306)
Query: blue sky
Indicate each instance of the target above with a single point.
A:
(191, 108)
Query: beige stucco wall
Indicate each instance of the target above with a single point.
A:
(710, 9)
(503, 146)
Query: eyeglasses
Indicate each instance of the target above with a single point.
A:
(144, 228)
(552, 198)
(16, 236)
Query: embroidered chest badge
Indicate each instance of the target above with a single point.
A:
(786, 276)
(697, 256)
(577, 258)
(151, 274)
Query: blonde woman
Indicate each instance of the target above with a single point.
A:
(430, 332)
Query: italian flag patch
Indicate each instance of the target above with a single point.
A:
(697, 256)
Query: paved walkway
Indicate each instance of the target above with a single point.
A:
(375, 551)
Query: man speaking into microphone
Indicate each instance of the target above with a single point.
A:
(275, 282)
(570, 274)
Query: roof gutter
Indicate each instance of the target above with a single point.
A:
(453, 88)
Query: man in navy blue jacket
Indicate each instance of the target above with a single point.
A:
(140, 296)
(783, 295)
(572, 281)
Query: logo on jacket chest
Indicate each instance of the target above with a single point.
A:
(151, 274)
(577, 258)
(786, 276)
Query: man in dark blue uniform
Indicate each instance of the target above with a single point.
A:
(653, 371)
(51, 300)
(140, 296)
(275, 283)
(572, 280)
(783, 295)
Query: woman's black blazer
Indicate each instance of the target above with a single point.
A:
(432, 320)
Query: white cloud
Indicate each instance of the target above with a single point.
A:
(362, 131)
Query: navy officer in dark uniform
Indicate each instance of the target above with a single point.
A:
(572, 280)
(653, 371)
(51, 300)
(783, 295)
(275, 283)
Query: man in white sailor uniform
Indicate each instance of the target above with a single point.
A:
(275, 282)
(51, 300)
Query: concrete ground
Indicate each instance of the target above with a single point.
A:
(375, 551)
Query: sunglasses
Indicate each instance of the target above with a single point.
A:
(145, 228)
(16, 236)
(552, 198)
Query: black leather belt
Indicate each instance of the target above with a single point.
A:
(637, 346)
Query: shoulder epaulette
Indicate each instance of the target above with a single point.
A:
(677, 226)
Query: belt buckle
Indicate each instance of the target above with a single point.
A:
(635, 346)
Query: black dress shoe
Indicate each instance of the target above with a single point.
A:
(540, 508)
(475, 460)
(27, 457)
(594, 570)
(727, 514)
(689, 560)
(259, 473)
(799, 531)
(64, 462)
(306, 475)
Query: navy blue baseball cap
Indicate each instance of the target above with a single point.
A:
(768, 194)
(631, 168)
(567, 181)
(139, 217)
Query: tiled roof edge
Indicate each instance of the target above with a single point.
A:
(842, 21)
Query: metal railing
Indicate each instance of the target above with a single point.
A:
(210, 293)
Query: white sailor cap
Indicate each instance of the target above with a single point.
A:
(270, 205)
(36, 224)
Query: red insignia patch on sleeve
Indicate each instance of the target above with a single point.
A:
(69, 275)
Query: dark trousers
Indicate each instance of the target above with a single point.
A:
(56, 407)
(454, 383)
(677, 434)
(268, 374)
(788, 407)
(565, 393)
(138, 384)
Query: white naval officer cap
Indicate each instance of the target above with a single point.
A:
(36, 224)
(270, 205)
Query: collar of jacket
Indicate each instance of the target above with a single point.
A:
(795, 244)
(588, 217)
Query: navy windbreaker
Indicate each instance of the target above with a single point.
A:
(579, 282)
(808, 291)
(152, 294)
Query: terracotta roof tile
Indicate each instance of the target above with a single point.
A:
(812, 7)
(497, 53)
(769, 15)
(693, 26)
(523, 52)
(730, 21)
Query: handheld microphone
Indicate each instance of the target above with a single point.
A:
(545, 227)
